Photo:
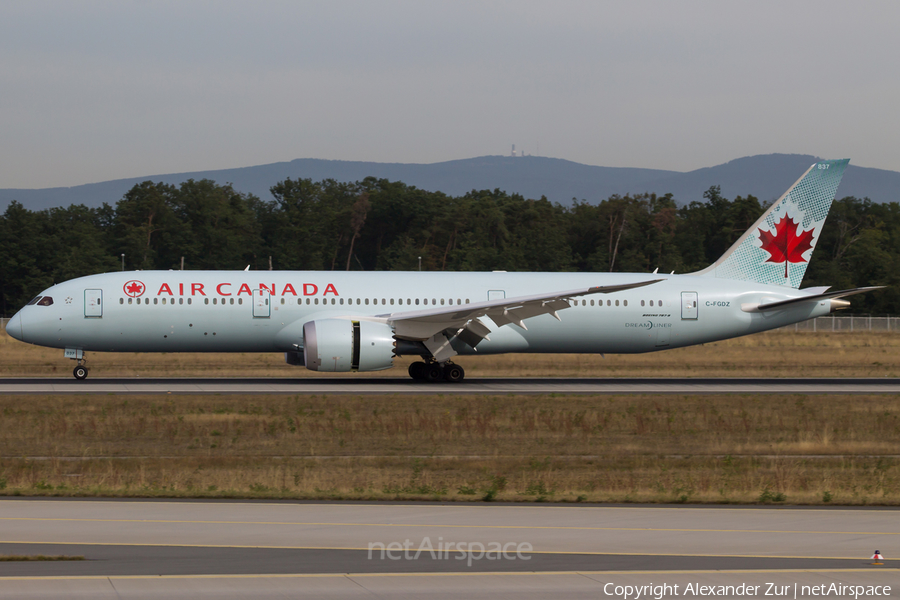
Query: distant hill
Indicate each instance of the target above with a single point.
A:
(764, 176)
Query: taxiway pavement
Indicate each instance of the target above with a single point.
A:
(231, 549)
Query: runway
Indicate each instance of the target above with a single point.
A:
(156, 549)
(473, 385)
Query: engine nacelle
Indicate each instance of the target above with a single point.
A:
(338, 345)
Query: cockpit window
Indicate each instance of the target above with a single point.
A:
(45, 301)
(34, 300)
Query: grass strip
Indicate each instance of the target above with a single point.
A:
(603, 448)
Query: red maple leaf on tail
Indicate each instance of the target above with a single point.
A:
(786, 245)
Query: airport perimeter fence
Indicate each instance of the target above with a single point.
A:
(831, 323)
(846, 323)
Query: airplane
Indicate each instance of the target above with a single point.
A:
(360, 321)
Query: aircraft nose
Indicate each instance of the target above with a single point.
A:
(14, 327)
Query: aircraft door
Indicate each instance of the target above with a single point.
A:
(689, 304)
(93, 304)
(262, 305)
(496, 295)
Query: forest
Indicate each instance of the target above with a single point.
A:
(376, 224)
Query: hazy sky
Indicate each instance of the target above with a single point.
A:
(91, 91)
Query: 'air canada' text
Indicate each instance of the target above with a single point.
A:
(234, 289)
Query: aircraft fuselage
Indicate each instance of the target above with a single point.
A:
(264, 311)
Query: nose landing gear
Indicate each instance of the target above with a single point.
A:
(80, 372)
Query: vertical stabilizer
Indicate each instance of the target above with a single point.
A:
(777, 249)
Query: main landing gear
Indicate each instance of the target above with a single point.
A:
(433, 372)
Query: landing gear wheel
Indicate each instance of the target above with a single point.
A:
(433, 373)
(80, 372)
(454, 373)
(417, 370)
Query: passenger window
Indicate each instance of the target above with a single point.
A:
(146, 300)
(651, 303)
(342, 301)
(282, 301)
(367, 301)
(617, 302)
(433, 302)
(592, 302)
(206, 301)
(458, 301)
(417, 301)
(584, 302)
(642, 302)
(240, 300)
(155, 301)
(317, 300)
(231, 300)
(392, 301)
(307, 301)
(163, 300)
(215, 301)
(609, 302)
(333, 302)
(467, 300)
(180, 301)
(660, 302)
(121, 300)
(442, 301)
(625, 302)
(189, 300)
(383, 301)
(129, 301)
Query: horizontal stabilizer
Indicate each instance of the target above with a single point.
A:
(811, 298)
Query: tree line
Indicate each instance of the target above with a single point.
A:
(376, 224)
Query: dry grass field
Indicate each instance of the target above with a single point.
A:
(794, 449)
(773, 354)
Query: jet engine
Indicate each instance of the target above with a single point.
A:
(343, 345)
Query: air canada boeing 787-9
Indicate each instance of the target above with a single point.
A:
(361, 321)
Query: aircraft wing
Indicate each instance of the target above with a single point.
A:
(463, 320)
